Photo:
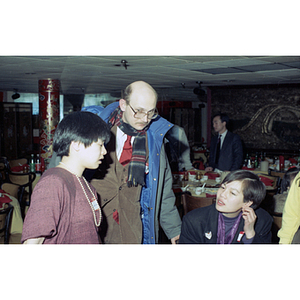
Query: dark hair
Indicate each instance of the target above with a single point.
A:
(253, 189)
(223, 118)
(288, 177)
(81, 126)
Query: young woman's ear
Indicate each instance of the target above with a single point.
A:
(75, 146)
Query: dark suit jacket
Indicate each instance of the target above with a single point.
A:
(231, 153)
(200, 226)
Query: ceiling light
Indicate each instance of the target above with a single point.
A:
(124, 63)
(15, 95)
(198, 90)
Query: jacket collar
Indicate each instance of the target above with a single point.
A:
(158, 126)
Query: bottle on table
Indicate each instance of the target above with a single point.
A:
(32, 164)
(186, 176)
(38, 165)
(262, 156)
(246, 160)
(256, 163)
(249, 164)
(198, 175)
(42, 165)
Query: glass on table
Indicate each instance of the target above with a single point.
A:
(198, 175)
(186, 176)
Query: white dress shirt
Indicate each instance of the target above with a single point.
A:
(120, 141)
(223, 135)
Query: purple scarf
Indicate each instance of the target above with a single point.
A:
(221, 239)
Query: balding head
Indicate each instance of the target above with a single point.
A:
(139, 96)
(139, 88)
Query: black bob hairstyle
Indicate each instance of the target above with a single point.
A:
(253, 189)
(81, 126)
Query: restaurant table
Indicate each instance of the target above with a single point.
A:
(180, 188)
(210, 187)
(257, 171)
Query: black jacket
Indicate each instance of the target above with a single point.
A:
(200, 226)
(231, 153)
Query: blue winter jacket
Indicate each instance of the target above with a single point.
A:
(157, 198)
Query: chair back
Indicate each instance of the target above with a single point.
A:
(5, 221)
(277, 174)
(273, 178)
(268, 202)
(24, 180)
(17, 162)
(4, 169)
(11, 188)
(191, 202)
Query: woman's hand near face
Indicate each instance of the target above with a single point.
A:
(249, 218)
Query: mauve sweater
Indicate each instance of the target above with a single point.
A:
(60, 212)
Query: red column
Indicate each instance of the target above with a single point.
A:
(49, 115)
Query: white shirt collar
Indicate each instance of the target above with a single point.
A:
(223, 135)
(120, 141)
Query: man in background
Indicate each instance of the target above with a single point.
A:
(226, 150)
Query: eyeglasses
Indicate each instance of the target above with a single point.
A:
(152, 114)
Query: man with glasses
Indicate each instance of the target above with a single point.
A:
(135, 180)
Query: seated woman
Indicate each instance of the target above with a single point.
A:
(235, 217)
(279, 199)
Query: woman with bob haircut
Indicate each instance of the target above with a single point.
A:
(235, 217)
(64, 207)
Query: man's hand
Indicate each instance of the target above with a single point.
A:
(174, 239)
(249, 218)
